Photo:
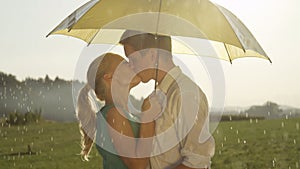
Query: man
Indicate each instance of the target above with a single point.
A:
(182, 138)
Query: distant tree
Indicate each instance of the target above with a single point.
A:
(47, 80)
(16, 118)
(8, 80)
(268, 110)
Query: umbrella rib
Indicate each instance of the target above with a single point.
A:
(156, 39)
(93, 37)
(227, 20)
(227, 53)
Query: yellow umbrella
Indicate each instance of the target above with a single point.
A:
(104, 21)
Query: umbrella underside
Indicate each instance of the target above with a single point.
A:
(103, 22)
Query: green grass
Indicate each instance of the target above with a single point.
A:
(57, 145)
(258, 144)
(262, 145)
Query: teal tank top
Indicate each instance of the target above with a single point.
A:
(110, 159)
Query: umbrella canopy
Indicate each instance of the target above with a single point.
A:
(104, 21)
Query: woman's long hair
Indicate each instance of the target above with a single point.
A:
(85, 112)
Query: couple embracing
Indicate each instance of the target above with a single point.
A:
(170, 131)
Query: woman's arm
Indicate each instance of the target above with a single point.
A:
(131, 149)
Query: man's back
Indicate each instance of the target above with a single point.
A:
(178, 130)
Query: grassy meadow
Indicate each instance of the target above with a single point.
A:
(253, 144)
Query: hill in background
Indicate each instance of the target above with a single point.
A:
(54, 99)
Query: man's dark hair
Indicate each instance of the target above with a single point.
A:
(141, 40)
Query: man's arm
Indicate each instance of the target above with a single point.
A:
(198, 145)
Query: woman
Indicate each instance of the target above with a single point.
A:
(109, 77)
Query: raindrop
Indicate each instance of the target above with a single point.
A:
(282, 124)
(250, 121)
(256, 120)
(297, 165)
(231, 128)
(217, 131)
(297, 126)
(11, 149)
(294, 141)
(265, 132)
(273, 162)
(15, 139)
(237, 131)
(222, 145)
(245, 141)
(220, 152)
(225, 139)
(269, 113)
(123, 123)
(51, 139)
(113, 120)
(239, 140)
(286, 117)
(51, 149)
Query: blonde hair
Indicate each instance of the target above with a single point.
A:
(85, 113)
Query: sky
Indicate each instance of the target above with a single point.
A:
(26, 52)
